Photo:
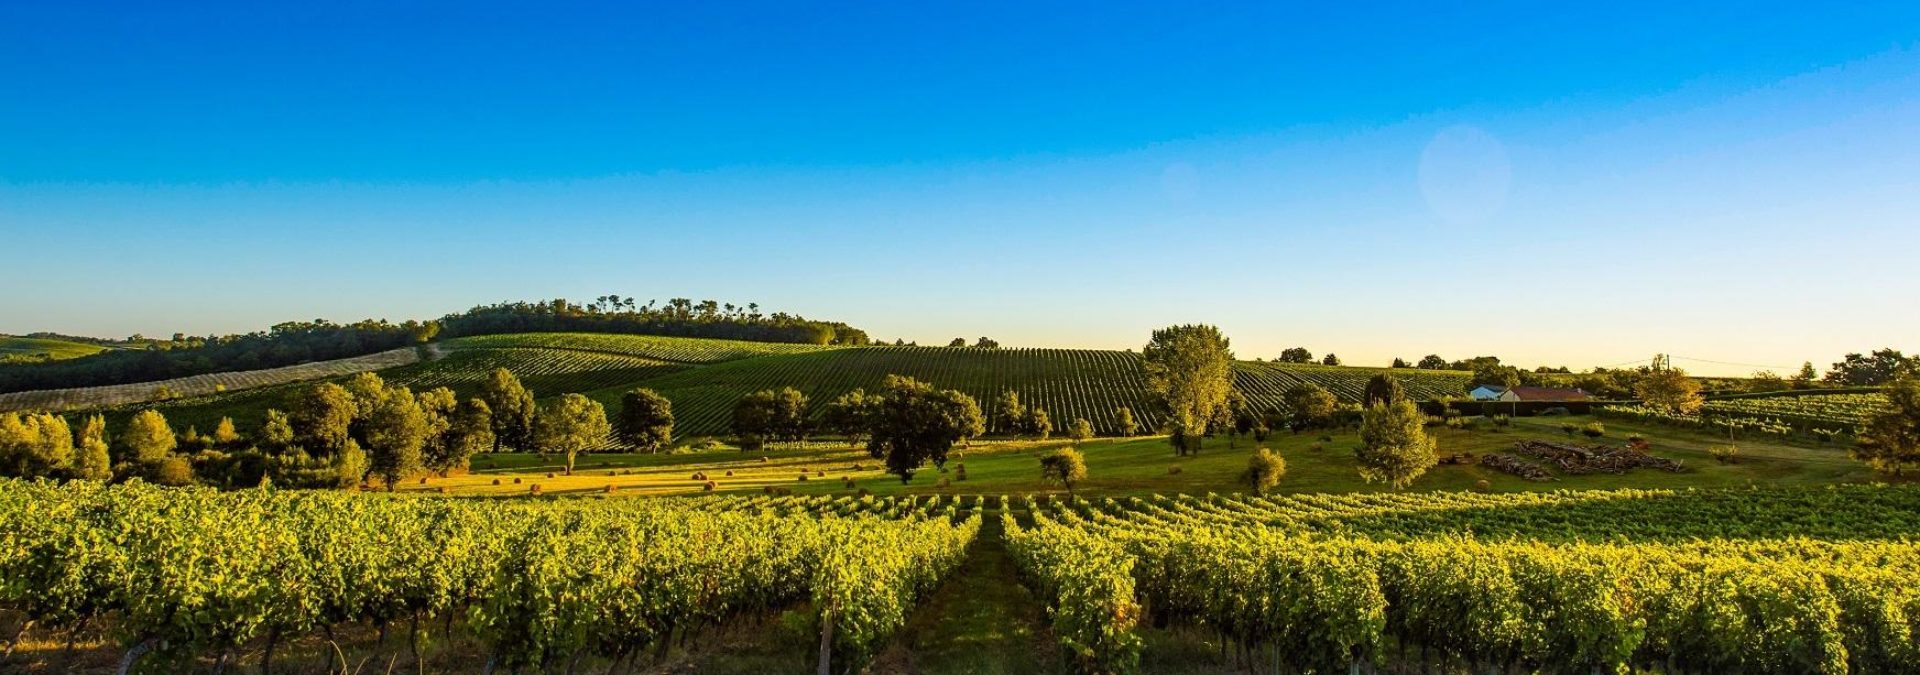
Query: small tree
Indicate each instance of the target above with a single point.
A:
(1037, 425)
(1009, 415)
(958, 342)
(1400, 363)
(1080, 430)
(1432, 362)
(1064, 466)
(323, 418)
(396, 431)
(987, 343)
(1671, 389)
(1394, 447)
(571, 425)
(276, 432)
(1128, 427)
(469, 432)
(513, 410)
(1264, 470)
(147, 438)
(224, 435)
(1295, 355)
(645, 420)
(1806, 377)
(1765, 381)
(92, 461)
(1890, 441)
(753, 419)
(1330, 360)
(1383, 388)
(1309, 405)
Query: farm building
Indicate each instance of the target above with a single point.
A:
(1488, 392)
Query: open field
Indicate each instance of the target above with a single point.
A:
(1141, 466)
(45, 348)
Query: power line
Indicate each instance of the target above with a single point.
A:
(1732, 363)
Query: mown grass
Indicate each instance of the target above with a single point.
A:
(1139, 466)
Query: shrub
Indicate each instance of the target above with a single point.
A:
(1264, 470)
(1725, 454)
(1569, 428)
(708, 487)
(1502, 421)
(1482, 485)
(1594, 430)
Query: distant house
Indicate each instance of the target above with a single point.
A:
(1489, 392)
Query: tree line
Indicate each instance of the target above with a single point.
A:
(677, 317)
(282, 345)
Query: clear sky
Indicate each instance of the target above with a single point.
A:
(1558, 185)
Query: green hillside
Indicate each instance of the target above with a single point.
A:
(704, 378)
(39, 348)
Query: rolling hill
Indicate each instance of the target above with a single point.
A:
(704, 377)
(42, 348)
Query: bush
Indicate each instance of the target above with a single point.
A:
(1569, 428)
(1482, 485)
(1502, 421)
(1594, 430)
(1725, 454)
(173, 471)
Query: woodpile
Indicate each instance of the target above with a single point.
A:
(1516, 466)
(1577, 460)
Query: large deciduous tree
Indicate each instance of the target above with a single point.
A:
(1880, 367)
(1890, 441)
(645, 421)
(1190, 368)
(571, 425)
(322, 418)
(1394, 447)
(1295, 355)
(512, 407)
(1432, 362)
(35, 445)
(395, 430)
(914, 424)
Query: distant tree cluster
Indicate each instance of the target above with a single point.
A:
(679, 317)
(337, 434)
(283, 345)
(907, 423)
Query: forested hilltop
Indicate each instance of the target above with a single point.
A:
(304, 341)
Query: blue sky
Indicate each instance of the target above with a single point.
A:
(1555, 185)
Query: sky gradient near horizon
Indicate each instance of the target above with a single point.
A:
(1554, 185)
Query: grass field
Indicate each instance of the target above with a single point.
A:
(1141, 466)
(43, 348)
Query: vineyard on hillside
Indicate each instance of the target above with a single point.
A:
(195, 574)
(1765, 581)
(546, 371)
(654, 347)
(1263, 382)
(1814, 414)
(83, 398)
(1067, 383)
